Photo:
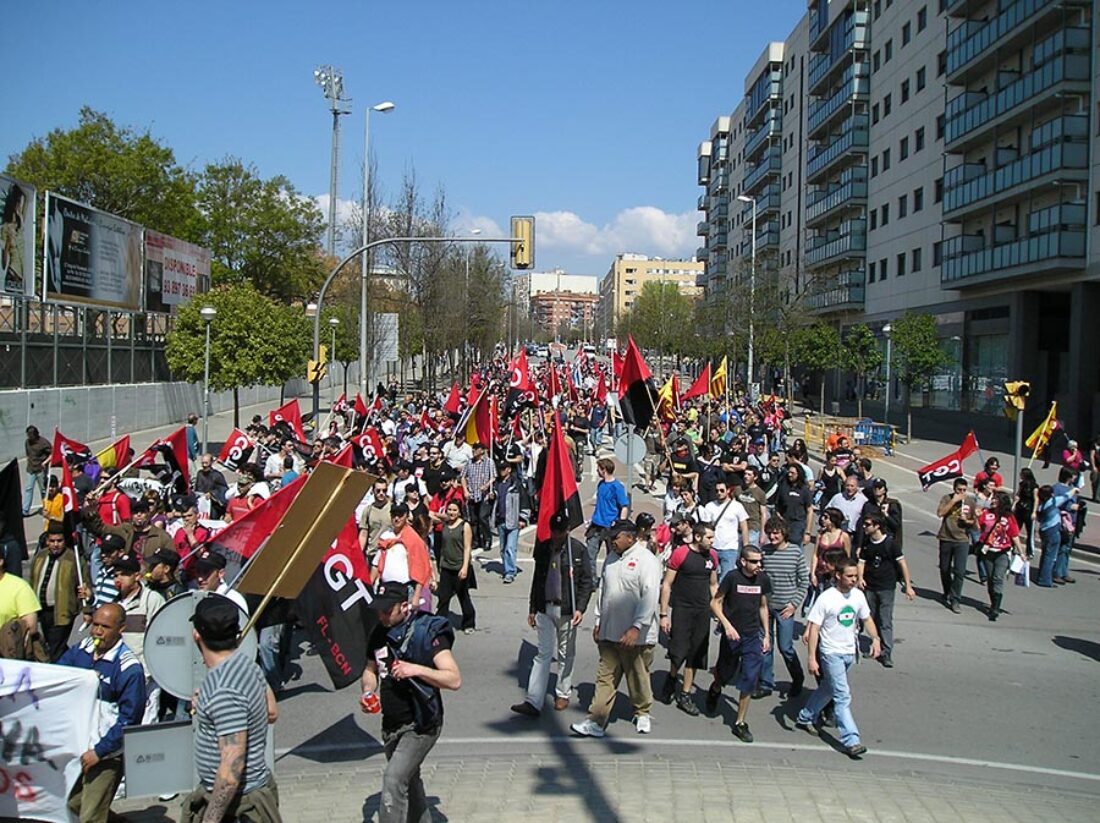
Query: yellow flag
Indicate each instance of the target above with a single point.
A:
(718, 381)
(1041, 436)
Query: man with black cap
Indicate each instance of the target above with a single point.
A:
(409, 660)
(561, 587)
(210, 575)
(232, 710)
(161, 576)
(141, 536)
(626, 629)
(55, 580)
(140, 603)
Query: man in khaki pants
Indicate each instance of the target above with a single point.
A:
(626, 629)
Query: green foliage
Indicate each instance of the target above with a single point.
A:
(917, 354)
(260, 231)
(816, 347)
(112, 168)
(861, 351)
(661, 318)
(253, 340)
(347, 331)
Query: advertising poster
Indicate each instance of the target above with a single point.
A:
(175, 271)
(91, 256)
(16, 237)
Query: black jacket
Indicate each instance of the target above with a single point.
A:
(574, 576)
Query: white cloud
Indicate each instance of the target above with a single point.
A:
(345, 209)
(642, 229)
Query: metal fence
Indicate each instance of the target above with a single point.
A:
(50, 344)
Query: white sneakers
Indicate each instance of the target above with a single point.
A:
(588, 728)
(644, 724)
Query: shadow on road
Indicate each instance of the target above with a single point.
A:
(937, 597)
(342, 742)
(1088, 648)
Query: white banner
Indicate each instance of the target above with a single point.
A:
(47, 714)
(175, 271)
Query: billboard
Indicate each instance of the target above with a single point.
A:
(16, 237)
(90, 256)
(175, 271)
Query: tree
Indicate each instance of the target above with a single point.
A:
(254, 341)
(862, 355)
(917, 356)
(817, 348)
(260, 231)
(661, 319)
(115, 169)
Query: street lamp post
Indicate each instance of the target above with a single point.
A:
(331, 82)
(381, 108)
(466, 314)
(744, 198)
(333, 322)
(887, 329)
(207, 313)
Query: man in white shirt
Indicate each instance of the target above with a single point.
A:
(850, 500)
(834, 625)
(273, 467)
(458, 452)
(210, 574)
(626, 629)
(730, 522)
(140, 604)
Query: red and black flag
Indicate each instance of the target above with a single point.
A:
(11, 508)
(67, 450)
(558, 493)
(290, 414)
(521, 394)
(637, 394)
(167, 459)
(236, 451)
(245, 535)
(949, 467)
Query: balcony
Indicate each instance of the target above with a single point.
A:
(701, 204)
(767, 89)
(824, 65)
(854, 84)
(854, 135)
(970, 183)
(772, 163)
(974, 39)
(772, 127)
(718, 240)
(851, 192)
(701, 254)
(819, 20)
(1055, 242)
(848, 240)
(702, 228)
(718, 213)
(975, 111)
(845, 292)
(721, 182)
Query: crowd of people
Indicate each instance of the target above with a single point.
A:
(751, 545)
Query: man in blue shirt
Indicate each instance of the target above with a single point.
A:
(611, 504)
(121, 703)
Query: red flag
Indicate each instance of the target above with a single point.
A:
(173, 451)
(63, 447)
(426, 421)
(370, 443)
(341, 404)
(359, 406)
(452, 406)
(488, 422)
(637, 394)
(601, 391)
(949, 467)
(701, 386)
(517, 429)
(573, 396)
(291, 414)
(236, 451)
(558, 494)
(555, 383)
(68, 491)
(616, 364)
(344, 457)
(472, 394)
(245, 535)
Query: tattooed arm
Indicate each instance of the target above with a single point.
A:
(230, 775)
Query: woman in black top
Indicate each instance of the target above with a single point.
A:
(456, 573)
(1027, 491)
(794, 502)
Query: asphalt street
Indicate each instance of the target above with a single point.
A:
(976, 720)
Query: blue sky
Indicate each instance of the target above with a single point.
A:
(586, 114)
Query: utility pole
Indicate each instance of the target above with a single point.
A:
(331, 81)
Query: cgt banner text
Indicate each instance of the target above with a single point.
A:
(47, 714)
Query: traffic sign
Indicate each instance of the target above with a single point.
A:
(629, 449)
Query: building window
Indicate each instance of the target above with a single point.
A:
(918, 139)
(920, 78)
(888, 52)
(901, 264)
(874, 219)
(915, 260)
(941, 63)
(922, 19)
(886, 160)
(871, 272)
(886, 106)
(875, 61)
(918, 199)
(903, 148)
(874, 166)
(938, 190)
(882, 269)
(937, 253)
(885, 214)
(874, 114)
(940, 122)
(904, 91)
(878, 8)
(903, 206)
(906, 34)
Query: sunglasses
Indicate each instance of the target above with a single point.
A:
(750, 561)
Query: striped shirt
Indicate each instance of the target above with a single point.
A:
(232, 698)
(786, 568)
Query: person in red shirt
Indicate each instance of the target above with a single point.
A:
(450, 490)
(1000, 536)
(990, 472)
(114, 506)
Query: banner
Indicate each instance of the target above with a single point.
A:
(236, 451)
(175, 271)
(16, 237)
(48, 721)
(91, 256)
(949, 467)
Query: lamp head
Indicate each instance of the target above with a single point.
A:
(334, 321)
(207, 313)
(384, 107)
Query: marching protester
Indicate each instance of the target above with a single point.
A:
(510, 512)
(18, 615)
(1000, 537)
(611, 504)
(785, 565)
(140, 536)
(38, 450)
(456, 570)
(881, 564)
(730, 522)
(958, 516)
(55, 580)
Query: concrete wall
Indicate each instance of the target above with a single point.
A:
(85, 413)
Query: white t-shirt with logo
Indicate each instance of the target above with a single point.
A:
(837, 614)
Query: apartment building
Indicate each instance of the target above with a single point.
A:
(948, 165)
(627, 277)
(526, 285)
(555, 310)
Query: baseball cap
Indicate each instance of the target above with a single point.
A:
(165, 556)
(127, 564)
(620, 526)
(139, 506)
(112, 543)
(216, 618)
(389, 594)
(208, 563)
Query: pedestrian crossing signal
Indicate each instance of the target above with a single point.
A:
(316, 371)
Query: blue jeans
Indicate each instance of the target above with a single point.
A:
(509, 543)
(754, 537)
(33, 479)
(834, 686)
(1052, 542)
(782, 631)
(1061, 565)
(727, 562)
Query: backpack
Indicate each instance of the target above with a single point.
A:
(417, 646)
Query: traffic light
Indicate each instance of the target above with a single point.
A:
(523, 242)
(316, 371)
(1016, 394)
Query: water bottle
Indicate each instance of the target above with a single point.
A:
(370, 702)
